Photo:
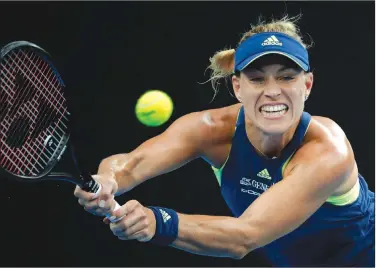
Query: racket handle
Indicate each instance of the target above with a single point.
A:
(93, 186)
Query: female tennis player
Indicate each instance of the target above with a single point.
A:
(289, 178)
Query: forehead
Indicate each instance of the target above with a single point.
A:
(270, 60)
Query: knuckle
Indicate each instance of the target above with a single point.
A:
(126, 232)
(124, 225)
(145, 223)
(143, 213)
(144, 233)
(126, 170)
(133, 202)
(123, 232)
(104, 162)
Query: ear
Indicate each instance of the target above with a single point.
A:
(236, 86)
(308, 84)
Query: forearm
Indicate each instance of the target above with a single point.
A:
(119, 165)
(131, 169)
(140, 165)
(214, 236)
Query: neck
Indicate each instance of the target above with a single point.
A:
(269, 145)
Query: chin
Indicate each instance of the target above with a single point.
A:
(276, 125)
(275, 129)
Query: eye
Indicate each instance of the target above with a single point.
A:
(286, 77)
(257, 79)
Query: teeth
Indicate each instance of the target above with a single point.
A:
(274, 108)
(273, 114)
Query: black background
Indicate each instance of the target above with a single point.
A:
(109, 54)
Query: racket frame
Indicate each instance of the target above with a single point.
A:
(64, 145)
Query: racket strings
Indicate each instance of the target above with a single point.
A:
(18, 132)
(3, 102)
(23, 157)
(45, 118)
(24, 92)
(20, 127)
(40, 103)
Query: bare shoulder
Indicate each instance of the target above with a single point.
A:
(220, 121)
(324, 135)
(208, 125)
(326, 147)
(210, 131)
(326, 128)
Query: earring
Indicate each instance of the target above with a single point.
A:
(306, 97)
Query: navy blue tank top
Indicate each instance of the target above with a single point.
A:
(333, 235)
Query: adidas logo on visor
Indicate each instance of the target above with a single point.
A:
(271, 41)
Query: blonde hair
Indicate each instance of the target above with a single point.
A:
(223, 61)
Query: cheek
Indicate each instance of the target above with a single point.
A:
(297, 98)
(249, 99)
(297, 91)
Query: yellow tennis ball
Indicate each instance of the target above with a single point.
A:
(154, 108)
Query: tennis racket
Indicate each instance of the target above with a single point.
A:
(35, 121)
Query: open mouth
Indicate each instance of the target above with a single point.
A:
(274, 110)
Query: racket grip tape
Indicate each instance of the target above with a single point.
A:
(92, 186)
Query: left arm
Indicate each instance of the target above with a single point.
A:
(277, 212)
(321, 167)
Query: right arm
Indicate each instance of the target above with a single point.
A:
(181, 143)
(191, 136)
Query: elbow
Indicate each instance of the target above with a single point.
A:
(241, 251)
(239, 254)
(247, 243)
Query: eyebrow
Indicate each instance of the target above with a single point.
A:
(283, 68)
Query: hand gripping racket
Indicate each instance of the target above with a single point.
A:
(34, 119)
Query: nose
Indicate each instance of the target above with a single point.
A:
(272, 89)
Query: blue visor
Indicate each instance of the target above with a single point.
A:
(270, 43)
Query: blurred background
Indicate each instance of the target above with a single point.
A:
(109, 53)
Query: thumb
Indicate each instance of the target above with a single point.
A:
(119, 213)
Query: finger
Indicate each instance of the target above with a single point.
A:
(106, 221)
(136, 217)
(104, 194)
(117, 228)
(79, 193)
(141, 236)
(88, 204)
(131, 223)
(92, 208)
(135, 228)
(119, 213)
(125, 209)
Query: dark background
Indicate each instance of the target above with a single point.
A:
(109, 54)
